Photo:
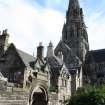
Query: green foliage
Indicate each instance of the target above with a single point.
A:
(88, 96)
(53, 89)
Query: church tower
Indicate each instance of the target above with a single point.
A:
(74, 33)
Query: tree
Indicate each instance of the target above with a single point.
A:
(88, 96)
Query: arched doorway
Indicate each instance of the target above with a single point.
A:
(39, 97)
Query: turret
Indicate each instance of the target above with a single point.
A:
(50, 51)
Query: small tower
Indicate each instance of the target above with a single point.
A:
(74, 32)
(50, 51)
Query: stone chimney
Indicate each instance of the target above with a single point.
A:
(40, 49)
(4, 37)
(50, 51)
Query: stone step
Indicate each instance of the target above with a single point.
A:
(13, 95)
(13, 102)
(15, 98)
(6, 98)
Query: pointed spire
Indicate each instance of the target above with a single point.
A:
(50, 44)
(74, 29)
(74, 4)
(74, 8)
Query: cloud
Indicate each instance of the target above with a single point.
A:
(96, 31)
(54, 4)
(95, 21)
(29, 25)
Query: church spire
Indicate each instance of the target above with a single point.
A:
(74, 4)
(74, 32)
(73, 9)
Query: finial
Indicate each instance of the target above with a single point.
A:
(40, 43)
(5, 32)
(50, 44)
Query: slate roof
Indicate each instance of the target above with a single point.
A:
(55, 64)
(62, 46)
(95, 56)
(54, 61)
(27, 58)
(73, 71)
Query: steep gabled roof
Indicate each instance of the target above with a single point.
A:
(40, 63)
(95, 56)
(65, 48)
(54, 61)
(55, 64)
(25, 57)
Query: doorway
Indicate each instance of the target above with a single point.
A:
(39, 98)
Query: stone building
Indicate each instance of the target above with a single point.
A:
(52, 79)
(74, 43)
(13, 62)
(94, 67)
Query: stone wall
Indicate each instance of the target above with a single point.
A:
(13, 96)
(53, 99)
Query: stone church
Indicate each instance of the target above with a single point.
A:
(50, 79)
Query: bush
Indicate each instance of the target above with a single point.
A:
(88, 96)
(53, 89)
